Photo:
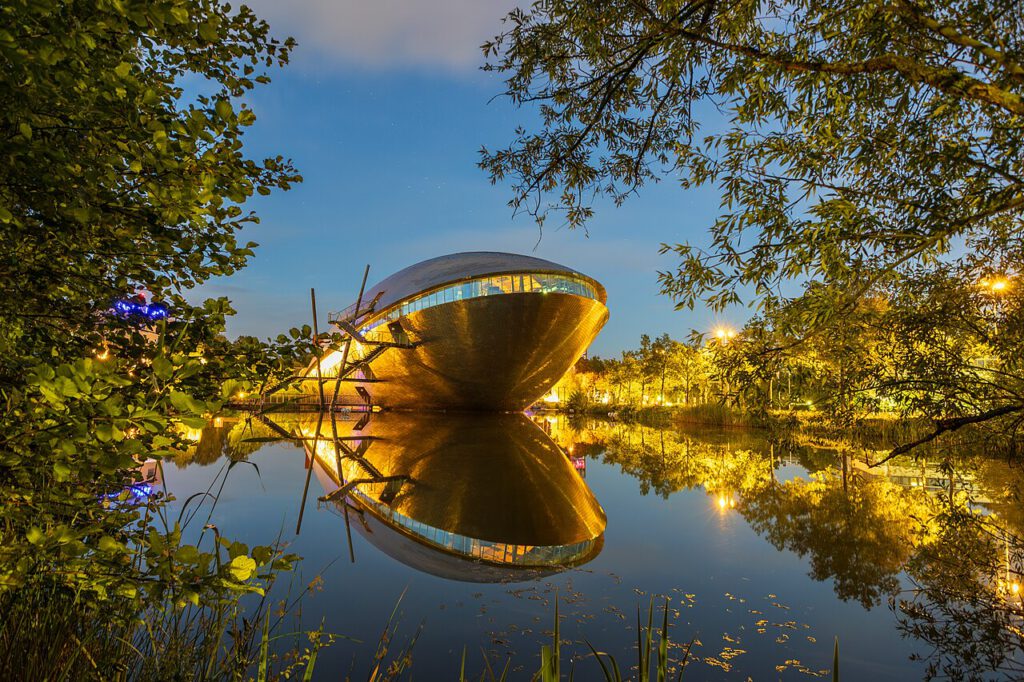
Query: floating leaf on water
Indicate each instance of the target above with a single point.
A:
(729, 653)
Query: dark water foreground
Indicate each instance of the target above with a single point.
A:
(765, 553)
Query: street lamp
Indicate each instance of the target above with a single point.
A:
(997, 285)
(724, 334)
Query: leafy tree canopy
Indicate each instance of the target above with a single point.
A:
(121, 125)
(123, 167)
(857, 137)
(862, 146)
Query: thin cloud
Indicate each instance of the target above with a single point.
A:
(388, 34)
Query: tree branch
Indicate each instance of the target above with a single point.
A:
(948, 426)
(943, 79)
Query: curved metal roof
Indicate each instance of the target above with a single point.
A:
(455, 267)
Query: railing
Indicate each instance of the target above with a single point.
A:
(494, 552)
(345, 314)
(512, 283)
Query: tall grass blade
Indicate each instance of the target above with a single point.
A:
(490, 670)
(307, 675)
(663, 646)
(686, 657)
(835, 661)
(264, 649)
(610, 675)
(546, 664)
(558, 642)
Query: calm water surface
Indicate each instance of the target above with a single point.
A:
(765, 554)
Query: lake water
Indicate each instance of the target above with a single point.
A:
(765, 552)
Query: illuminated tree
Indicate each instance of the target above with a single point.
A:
(861, 145)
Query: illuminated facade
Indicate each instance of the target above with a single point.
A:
(480, 498)
(479, 331)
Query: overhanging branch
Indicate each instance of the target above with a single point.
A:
(948, 426)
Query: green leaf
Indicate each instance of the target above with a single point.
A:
(164, 369)
(241, 568)
(61, 471)
(224, 110)
(187, 554)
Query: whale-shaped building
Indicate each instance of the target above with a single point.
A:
(467, 331)
(478, 498)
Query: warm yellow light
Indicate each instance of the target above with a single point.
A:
(996, 285)
(218, 422)
(241, 395)
(331, 360)
(724, 334)
(722, 502)
(551, 397)
(1015, 588)
(606, 399)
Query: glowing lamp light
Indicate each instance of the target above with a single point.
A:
(1015, 588)
(996, 285)
(724, 334)
(137, 492)
(138, 308)
(722, 502)
(551, 397)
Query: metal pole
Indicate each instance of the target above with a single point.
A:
(309, 471)
(348, 342)
(316, 350)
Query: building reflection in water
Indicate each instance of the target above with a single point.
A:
(481, 498)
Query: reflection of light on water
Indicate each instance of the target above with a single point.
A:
(138, 493)
(726, 502)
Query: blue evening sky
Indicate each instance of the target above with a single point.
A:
(383, 110)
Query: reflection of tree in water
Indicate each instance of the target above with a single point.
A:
(667, 462)
(860, 537)
(861, 530)
(966, 600)
(235, 440)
